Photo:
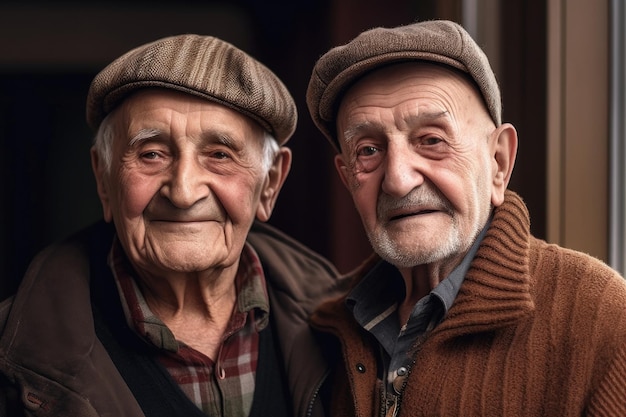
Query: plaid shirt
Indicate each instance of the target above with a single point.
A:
(221, 388)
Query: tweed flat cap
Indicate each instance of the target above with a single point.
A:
(203, 66)
(439, 41)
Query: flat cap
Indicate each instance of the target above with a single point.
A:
(203, 66)
(439, 41)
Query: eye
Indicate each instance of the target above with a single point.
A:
(367, 158)
(150, 155)
(367, 151)
(220, 155)
(431, 140)
(434, 147)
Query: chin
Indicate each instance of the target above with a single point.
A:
(414, 251)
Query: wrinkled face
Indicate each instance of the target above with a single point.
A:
(185, 184)
(417, 157)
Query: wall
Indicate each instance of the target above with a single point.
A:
(578, 138)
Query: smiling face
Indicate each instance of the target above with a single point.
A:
(186, 181)
(420, 158)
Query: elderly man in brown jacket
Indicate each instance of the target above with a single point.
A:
(183, 303)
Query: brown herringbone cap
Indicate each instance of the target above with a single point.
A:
(438, 41)
(203, 66)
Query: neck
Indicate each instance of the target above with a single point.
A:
(419, 281)
(195, 307)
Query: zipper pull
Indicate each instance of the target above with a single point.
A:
(392, 406)
(393, 399)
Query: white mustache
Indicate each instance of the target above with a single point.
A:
(419, 199)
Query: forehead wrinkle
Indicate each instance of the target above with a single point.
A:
(411, 119)
(434, 115)
(422, 117)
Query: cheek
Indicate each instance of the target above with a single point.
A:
(239, 198)
(457, 181)
(468, 192)
(135, 193)
(365, 198)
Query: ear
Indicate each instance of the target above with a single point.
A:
(342, 170)
(101, 176)
(273, 183)
(504, 151)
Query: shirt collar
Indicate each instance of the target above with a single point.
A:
(448, 289)
(382, 287)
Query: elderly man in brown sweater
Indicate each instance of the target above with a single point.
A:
(461, 312)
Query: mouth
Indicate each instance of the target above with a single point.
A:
(399, 216)
(182, 217)
(181, 221)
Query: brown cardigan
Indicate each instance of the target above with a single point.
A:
(536, 330)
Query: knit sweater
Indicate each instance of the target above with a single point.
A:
(536, 330)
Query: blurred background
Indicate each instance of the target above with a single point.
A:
(556, 62)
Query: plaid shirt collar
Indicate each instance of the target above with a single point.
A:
(251, 297)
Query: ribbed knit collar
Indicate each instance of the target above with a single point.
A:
(496, 290)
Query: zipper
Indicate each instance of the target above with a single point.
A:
(391, 406)
(318, 387)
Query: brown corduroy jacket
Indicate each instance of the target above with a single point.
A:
(536, 330)
(53, 364)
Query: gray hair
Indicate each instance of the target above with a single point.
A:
(103, 141)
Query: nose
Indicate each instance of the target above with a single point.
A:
(403, 170)
(187, 183)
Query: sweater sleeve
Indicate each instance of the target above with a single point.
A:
(609, 399)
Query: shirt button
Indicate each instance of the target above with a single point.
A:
(360, 367)
(402, 371)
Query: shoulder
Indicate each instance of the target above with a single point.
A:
(282, 251)
(72, 252)
(578, 268)
(579, 289)
(5, 308)
(59, 265)
(295, 274)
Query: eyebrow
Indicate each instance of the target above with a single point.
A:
(351, 132)
(216, 137)
(225, 140)
(144, 134)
